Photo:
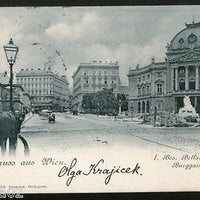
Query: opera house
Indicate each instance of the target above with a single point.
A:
(163, 85)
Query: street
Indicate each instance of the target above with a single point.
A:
(89, 131)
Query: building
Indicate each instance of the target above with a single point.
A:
(163, 85)
(46, 89)
(21, 101)
(123, 90)
(94, 77)
(4, 98)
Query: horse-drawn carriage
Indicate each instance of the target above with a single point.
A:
(52, 117)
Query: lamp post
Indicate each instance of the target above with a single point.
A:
(97, 109)
(131, 111)
(11, 51)
(120, 107)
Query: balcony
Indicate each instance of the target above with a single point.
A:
(144, 95)
(159, 93)
(185, 92)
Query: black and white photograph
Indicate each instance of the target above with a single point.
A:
(99, 99)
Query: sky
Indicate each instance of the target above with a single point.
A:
(64, 37)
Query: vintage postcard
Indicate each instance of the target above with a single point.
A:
(99, 99)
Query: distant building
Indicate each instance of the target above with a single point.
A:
(4, 98)
(46, 89)
(94, 77)
(163, 85)
(21, 102)
(123, 90)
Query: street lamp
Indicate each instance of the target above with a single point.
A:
(97, 109)
(11, 51)
(131, 111)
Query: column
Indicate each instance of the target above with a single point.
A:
(197, 78)
(195, 103)
(176, 78)
(186, 78)
(172, 79)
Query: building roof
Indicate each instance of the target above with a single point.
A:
(97, 65)
(147, 68)
(186, 38)
(40, 72)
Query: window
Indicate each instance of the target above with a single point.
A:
(99, 73)
(159, 105)
(105, 72)
(143, 90)
(143, 78)
(105, 82)
(139, 92)
(159, 88)
(147, 89)
(139, 107)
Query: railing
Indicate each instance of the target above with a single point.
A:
(185, 91)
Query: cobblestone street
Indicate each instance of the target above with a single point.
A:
(89, 131)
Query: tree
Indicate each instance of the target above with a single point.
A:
(124, 101)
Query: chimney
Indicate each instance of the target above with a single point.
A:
(153, 60)
(137, 66)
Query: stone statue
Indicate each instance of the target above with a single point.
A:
(188, 111)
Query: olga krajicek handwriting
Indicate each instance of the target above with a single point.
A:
(97, 168)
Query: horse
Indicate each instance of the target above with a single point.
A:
(9, 129)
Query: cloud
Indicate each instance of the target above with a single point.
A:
(130, 35)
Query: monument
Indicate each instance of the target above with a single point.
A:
(188, 112)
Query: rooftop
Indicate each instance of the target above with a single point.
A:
(96, 64)
(100, 63)
(153, 65)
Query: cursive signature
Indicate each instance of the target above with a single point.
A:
(97, 168)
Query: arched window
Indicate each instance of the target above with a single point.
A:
(143, 107)
(181, 43)
(139, 107)
(148, 107)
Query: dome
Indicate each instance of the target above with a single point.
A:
(187, 38)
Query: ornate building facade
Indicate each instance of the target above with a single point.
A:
(93, 77)
(163, 85)
(46, 89)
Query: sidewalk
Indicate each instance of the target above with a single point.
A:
(118, 118)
